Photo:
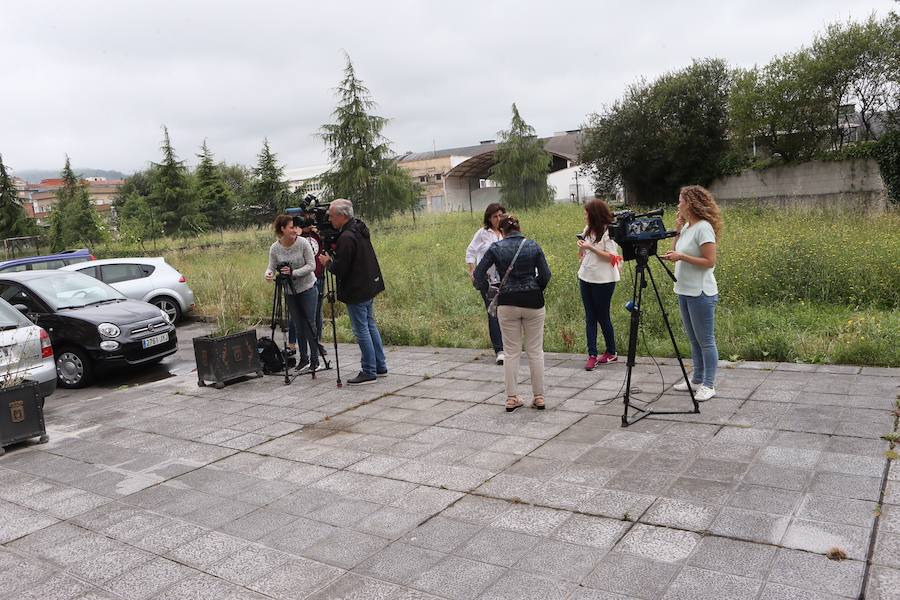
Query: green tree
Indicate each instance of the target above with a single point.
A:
(215, 200)
(138, 221)
(74, 220)
(268, 187)
(857, 64)
(239, 180)
(522, 166)
(171, 193)
(661, 135)
(785, 108)
(13, 220)
(363, 167)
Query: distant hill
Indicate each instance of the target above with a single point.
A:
(35, 175)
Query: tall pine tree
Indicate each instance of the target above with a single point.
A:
(170, 192)
(522, 166)
(269, 186)
(363, 168)
(13, 220)
(74, 220)
(215, 200)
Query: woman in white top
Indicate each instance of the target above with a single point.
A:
(484, 237)
(597, 279)
(699, 225)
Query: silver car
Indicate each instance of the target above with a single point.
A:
(152, 280)
(25, 351)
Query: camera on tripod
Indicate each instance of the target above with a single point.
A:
(312, 213)
(638, 233)
(280, 266)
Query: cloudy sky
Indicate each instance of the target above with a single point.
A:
(96, 79)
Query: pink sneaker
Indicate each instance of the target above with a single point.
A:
(591, 363)
(606, 358)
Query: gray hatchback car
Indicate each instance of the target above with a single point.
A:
(152, 280)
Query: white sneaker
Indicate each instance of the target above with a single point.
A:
(703, 393)
(681, 386)
(500, 358)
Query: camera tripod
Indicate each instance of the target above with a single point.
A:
(642, 252)
(281, 316)
(331, 297)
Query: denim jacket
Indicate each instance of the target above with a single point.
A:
(530, 273)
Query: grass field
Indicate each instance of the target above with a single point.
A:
(794, 287)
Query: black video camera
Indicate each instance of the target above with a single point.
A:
(280, 266)
(311, 213)
(638, 234)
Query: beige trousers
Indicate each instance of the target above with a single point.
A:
(516, 324)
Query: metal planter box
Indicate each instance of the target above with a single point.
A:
(21, 414)
(220, 359)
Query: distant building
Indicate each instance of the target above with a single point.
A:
(307, 178)
(458, 179)
(40, 198)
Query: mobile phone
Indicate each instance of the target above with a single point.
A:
(579, 236)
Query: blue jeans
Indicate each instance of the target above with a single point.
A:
(597, 298)
(362, 319)
(699, 316)
(301, 307)
(320, 290)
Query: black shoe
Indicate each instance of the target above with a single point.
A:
(303, 364)
(381, 373)
(362, 378)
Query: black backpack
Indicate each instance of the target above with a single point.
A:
(270, 355)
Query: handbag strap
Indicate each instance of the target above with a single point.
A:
(509, 268)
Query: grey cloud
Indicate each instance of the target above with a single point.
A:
(96, 78)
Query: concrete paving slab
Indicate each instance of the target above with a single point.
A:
(424, 487)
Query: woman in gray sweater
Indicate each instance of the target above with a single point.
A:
(301, 300)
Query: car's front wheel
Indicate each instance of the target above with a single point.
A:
(169, 306)
(73, 367)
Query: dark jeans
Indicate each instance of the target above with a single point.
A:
(301, 307)
(320, 290)
(362, 319)
(699, 316)
(493, 328)
(597, 298)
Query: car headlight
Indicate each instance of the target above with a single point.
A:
(108, 330)
(165, 315)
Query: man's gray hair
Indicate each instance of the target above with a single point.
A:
(342, 206)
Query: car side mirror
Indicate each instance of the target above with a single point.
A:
(23, 309)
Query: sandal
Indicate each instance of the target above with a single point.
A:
(513, 402)
(538, 403)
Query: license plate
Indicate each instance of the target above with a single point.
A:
(156, 340)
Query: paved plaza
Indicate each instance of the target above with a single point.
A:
(421, 486)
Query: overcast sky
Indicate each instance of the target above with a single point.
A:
(97, 79)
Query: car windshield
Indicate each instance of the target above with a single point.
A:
(73, 290)
(10, 318)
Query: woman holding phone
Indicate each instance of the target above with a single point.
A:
(597, 277)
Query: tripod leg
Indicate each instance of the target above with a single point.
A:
(665, 316)
(639, 284)
(331, 296)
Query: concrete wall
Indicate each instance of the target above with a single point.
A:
(566, 181)
(847, 185)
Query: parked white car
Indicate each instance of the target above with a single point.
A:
(152, 280)
(25, 351)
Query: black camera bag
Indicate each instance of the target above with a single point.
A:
(270, 355)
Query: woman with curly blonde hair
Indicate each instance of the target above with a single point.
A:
(699, 225)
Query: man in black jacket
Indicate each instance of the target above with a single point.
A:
(359, 280)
